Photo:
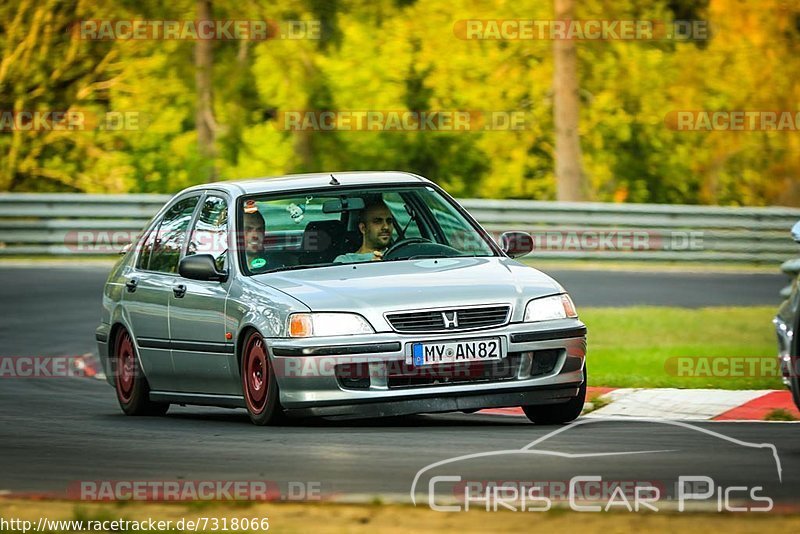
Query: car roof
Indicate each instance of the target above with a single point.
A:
(295, 182)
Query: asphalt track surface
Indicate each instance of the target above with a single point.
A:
(57, 431)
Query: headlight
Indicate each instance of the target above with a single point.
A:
(549, 308)
(327, 324)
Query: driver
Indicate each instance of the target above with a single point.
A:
(376, 224)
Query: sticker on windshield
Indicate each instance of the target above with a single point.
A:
(258, 263)
(297, 212)
(250, 206)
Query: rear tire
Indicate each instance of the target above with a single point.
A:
(556, 414)
(259, 386)
(133, 391)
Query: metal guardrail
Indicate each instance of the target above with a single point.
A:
(719, 234)
(84, 225)
(790, 268)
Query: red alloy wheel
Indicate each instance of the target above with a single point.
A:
(256, 375)
(126, 367)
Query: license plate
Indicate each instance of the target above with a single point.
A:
(478, 350)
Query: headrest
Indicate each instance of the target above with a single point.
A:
(320, 235)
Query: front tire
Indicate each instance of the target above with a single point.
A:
(556, 414)
(133, 391)
(259, 385)
(794, 367)
(795, 387)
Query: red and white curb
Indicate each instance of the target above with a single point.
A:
(686, 404)
(88, 365)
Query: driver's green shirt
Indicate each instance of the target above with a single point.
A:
(353, 257)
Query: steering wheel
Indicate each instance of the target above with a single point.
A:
(403, 243)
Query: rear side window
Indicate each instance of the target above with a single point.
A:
(164, 244)
(210, 233)
(147, 249)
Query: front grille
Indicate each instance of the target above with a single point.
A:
(407, 376)
(442, 320)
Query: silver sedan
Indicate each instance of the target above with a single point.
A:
(787, 325)
(345, 295)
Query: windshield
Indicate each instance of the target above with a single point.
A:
(324, 228)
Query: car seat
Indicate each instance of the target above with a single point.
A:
(323, 241)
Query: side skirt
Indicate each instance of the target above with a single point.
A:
(200, 399)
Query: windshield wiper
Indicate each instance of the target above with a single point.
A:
(437, 256)
(295, 268)
(430, 256)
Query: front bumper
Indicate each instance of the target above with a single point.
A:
(445, 402)
(309, 372)
(102, 334)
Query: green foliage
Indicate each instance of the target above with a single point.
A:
(780, 414)
(395, 55)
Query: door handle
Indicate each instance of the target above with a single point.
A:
(131, 285)
(179, 291)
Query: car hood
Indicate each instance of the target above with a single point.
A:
(371, 289)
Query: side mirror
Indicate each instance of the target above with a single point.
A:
(796, 231)
(516, 244)
(201, 267)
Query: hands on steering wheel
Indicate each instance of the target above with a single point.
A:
(402, 243)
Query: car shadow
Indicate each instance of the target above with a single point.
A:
(405, 421)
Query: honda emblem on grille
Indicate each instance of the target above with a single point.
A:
(452, 321)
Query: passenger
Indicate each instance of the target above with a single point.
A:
(375, 224)
(258, 259)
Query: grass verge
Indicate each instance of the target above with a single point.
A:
(779, 414)
(649, 347)
(398, 518)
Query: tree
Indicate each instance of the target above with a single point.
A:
(204, 115)
(570, 183)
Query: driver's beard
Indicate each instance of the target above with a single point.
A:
(377, 244)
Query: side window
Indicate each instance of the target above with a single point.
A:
(147, 249)
(210, 234)
(169, 238)
(454, 226)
